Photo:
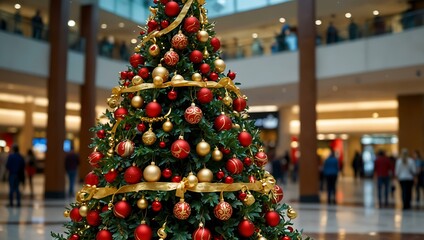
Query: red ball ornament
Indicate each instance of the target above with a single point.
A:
(193, 114)
(286, 238)
(180, 149)
(242, 196)
(111, 176)
(104, 235)
(133, 175)
(205, 68)
(246, 228)
(220, 175)
(245, 138)
(74, 237)
(123, 75)
(136, 59)
(164, 24)
(239, 104)
(231, 75)
(204, 95)
(122, 209)
(93, 218)
(218, 238)
(167, 173)
(152, 25)
(91, 179)
(179, 41)
(156, 206)
(172, 95)
(164, 1)
(125, 148)
(224, 150)
(162, 144)
(130, 75)
(141, 127)
(216, 44)
(75, 215)
(202, 233)
(272, 218)
(223, 211)
(120, 113)
(172, 9)
(290, 228)
(176, 179)
(153, 109)
(252, 179)
(101, 133)
(277, 194)
(94, 158)
(261, 158)
(182, 210)
(247, 161)
(143, 232)
(229, 180)
(171, 58)
(196, 56)
(222, 122)
(213, 76)
(191, 24)
(234, 166)
(143, 73)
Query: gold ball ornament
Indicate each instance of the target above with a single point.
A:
(220, 65)
(152, 173)
(161, 72)
(205, 175)
(177, 78)
(202, 36)
(205, 53)
(136, 80)
(83, 210)
(110, 152)
(157, 81)
(203, 148)
(149, 137)
(261, 237)
(196, 77)
(167, 126)
(292, 214)
(217, 154)
(142, 203)
(154, 50)
(227, 100)
(192, 180)
(236, 126)
(137, 48)
(66, 213)
(137, 101)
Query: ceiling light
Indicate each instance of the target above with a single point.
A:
(348, 15)
(375, 12)
(254, 35)
(318, 22)
(282, 20)
(121, 25)
(375, 115)
(133, 41)
(71, 23)
(17, 6)
(103, 26)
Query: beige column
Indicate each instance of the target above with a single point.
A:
(284, 136)
(27, 132)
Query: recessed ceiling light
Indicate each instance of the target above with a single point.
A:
(17, 6)
(318, 22)
(254, 35)
(121, 25)
(375, 115)
(71, 23)
(375, 12)
(133, 41)
(348, 15)
(282, 20)
(103, 26)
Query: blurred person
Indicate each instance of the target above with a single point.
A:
(331, 171)
(123, 51)
(290, 40)
(17, 28)
(3, 24)
(3, 161)
(71, 167)
(257, 48)
(31, 169)
(16, 166)
(332, 34)
(277, 169)
(405, 171)
(357, 165)
(37, 25)
(353, 30)
(383, 170)
(419, 186)
(379, 25)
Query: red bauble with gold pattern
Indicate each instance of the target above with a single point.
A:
(191, 24)
(94, 158)
(122, 209)
(171, 58)
(234, 166)
(75, 215)
(272, 218)
(91, 179)
(277, 194)
(111, 176)
(120, 113)
(143, 232)
(223, 211)
(182, 210)
(153, 109)
(180, 149)
(246, 228)
(222, 122)
(261, 158)
(74, 237)
(196, 56)
(125, 148)
(239, 104)
(93, 218)
(202, 233)
(193, 114)
(245, 138)
(172, 9)
(104, 235)
(179, 41)
(133, 175)
(136, 59)
(204, 95)
(216, 43)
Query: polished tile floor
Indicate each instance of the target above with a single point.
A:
(356, 215)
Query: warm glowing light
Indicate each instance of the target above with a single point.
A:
(133, 41)
(103, 26)
(320, 136)
(344, 136)
(375, 115)
(348, 15)
(352, 106)
(375, 12)
(254, 35)
(264, 108)
(17, 6)
(71, 23)
(318, 22)
(294, 144)
(121, 25)
(282, 20)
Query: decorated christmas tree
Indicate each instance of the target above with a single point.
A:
(178, 157)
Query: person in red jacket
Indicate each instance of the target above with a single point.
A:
(383, 170)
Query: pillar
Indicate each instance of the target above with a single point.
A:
(308, 161)
(54, 168)
(27, 133)
(89, 25)
(284, 136)
(411, 122)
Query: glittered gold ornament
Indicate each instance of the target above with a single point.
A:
(137, 48)
(260, 237)
(196, 77)
(177, 77)
(142, 203)
(154, 50)
(66, 213)
(236, 126)
(227, 100)
(292, 214)
(202, 36)
(136, 80)
(137, 101)
(220, 65)
(149, 137)
(161, 232)
(112, 102)
(217, 154)
(205, 53)
(161, 72)
(249, 200)
(192, 180)
(203, 148)
(83, 210)
(152, 173)
(205, 175)
(167, 126)
(157, 81)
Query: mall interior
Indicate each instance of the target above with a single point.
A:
(347, 75)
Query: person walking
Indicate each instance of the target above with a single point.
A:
(405, 171)
(71, 166)
(357, 165)
(331, 171)
(16, 166)
(419, 186)
(383, 171)
(31, 169)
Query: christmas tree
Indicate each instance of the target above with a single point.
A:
(178, 157)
